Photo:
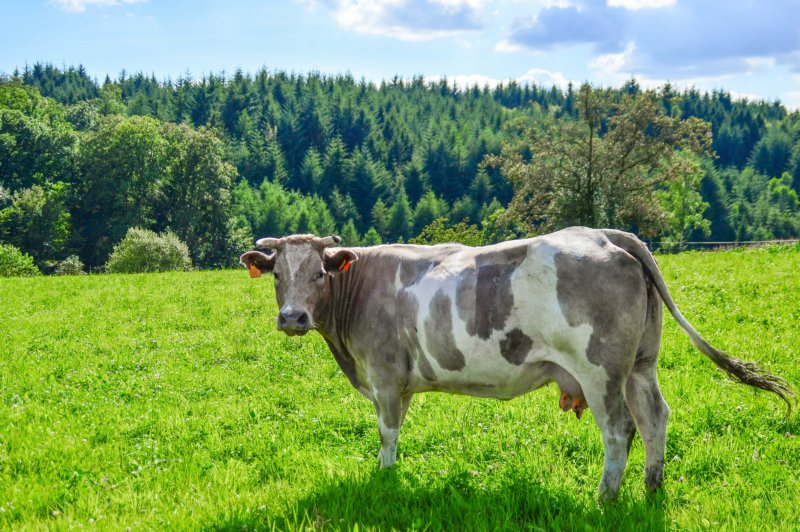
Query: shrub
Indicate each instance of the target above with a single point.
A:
(239, 239)
(143, 250)
(14, 263)
(72, 265)
(437, 233)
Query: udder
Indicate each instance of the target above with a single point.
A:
(571, 394)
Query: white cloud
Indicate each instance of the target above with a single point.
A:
(360, 16)
(614, 69)
(508, 47)
(79, 6)
(467, 81)
(759, 63)
(541, 76)
(456, 4)
(614, 63)
(792, 100)
(538, 76)
(635, 5)
(737, 95)
(558, 3)
(694, 38)
(411, 20)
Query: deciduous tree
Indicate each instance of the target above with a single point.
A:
(604, 169)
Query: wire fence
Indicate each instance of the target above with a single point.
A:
(671, 246)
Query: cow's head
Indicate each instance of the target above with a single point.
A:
(301, 265)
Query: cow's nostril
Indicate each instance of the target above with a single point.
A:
(282, 319)
(303, 319)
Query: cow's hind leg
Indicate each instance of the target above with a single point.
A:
(618, 427)
(644, 395)
(651, 413)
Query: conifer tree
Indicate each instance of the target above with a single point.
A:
(310, 175)
(349, 234)
(336, 166)
(400, 219)
(380, 218)
(427, 210)
(371, 238)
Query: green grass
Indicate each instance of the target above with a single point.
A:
(169, 401)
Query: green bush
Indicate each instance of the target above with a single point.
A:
(14, 263)
(72, 265)
(143, 250)
(438, 233)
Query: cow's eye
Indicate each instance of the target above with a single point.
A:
(320, 274)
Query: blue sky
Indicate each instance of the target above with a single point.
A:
(749, 48)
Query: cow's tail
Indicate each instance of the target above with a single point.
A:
(740, 370)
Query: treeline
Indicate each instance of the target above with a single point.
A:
(222, 158)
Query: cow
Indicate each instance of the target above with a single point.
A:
(580, 307)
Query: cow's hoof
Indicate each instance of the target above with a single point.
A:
(654, 478)
(386, 460)
(607, 496)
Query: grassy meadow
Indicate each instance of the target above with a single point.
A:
(169, 401)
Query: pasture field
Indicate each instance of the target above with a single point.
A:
(169, 401)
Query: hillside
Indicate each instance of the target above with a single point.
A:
(273, 153)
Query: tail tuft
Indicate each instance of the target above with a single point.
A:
(749, 373)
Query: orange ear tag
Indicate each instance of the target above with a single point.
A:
(254, 271)
(345, 265)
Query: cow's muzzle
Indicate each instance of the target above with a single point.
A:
(294, 321)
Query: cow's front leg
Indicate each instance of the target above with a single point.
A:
(391, 406)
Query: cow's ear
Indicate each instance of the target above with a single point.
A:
(339, 260)
(257, 263)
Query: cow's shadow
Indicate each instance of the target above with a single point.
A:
(388, 500)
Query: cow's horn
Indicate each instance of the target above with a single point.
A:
(269, 243)
(329, 241)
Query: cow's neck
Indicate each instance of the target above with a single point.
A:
(337, 307)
